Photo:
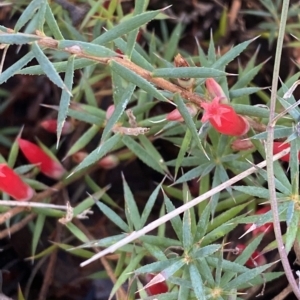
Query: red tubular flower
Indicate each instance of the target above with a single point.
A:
(156, 288)
(224, 118)
(279, 146)
(268, 227)
(46, 164)
(257, 259)
(12, 184)
(175, 115)
(215, 90)
(51, 125)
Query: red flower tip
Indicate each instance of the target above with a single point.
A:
(108, 162)
(12, 184)
(224, 118)
(268, 227)
(214, 90)
(279, 146)
(175, 115)
(51, 126)
(257, 259)
(110, 111)
(158, 286)
(46, 164)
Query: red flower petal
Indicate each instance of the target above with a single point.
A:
(224, 118)
(175, 115)
(257, 259)
(51, 126)
(46, 164)
(279, 146)
(156, 288)
(12, 184)
(214, 89)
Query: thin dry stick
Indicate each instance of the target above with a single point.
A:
(283, 294)
(269, 153)
(136, 234)
(120, 293)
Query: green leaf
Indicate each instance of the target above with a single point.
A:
(50, 19)
(132, 77)
(292, 230)
(256, 191)
(65, 97)
(197, 282)
(118, 111)
(183, 149)
(47, 67)
(38, 228)
(231, 54)
(149, 205)
(188, 72)
(188, 120)
(12, 70)
(187, 238)
(17, 38)
(84, 139)
(77, 232)
(142, 154)
(28, 13)
(87, 48)
(203, 223)
(246, 276)
(113, 216)
(176, 221)
(205, 251)
(98, 153)
(131, 207)
(173, 41)
(126, 26)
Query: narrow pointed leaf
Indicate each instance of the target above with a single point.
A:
(47, 66)
(118, 111)
(131, 206)
(98, 152)
(17, 38)
(141, 153)
(65, 97)
(126, 26)
(197, 282)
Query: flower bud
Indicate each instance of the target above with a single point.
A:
(108, 162)
(280, 146)
(110, 111)
(179, 62)
(155, 288)
(224, 118)
(175, 114)
(51, 126)
(214, 90)
(257, 259)
(265, 228)
(35, 155)
(12, 184)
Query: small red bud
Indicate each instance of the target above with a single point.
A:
(257, 259)
(12, 184)
(79, 156)
(280, 146)
(108, 162)
(175, 115)
(157, 288)
(46, 164)
(268, 227)
(224, 118)
(214, 90)
(51, 126)
(110, 111)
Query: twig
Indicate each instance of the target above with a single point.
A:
(27, 204)
(269, 153)
(283, 293)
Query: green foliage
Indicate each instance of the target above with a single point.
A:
(191, 255)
